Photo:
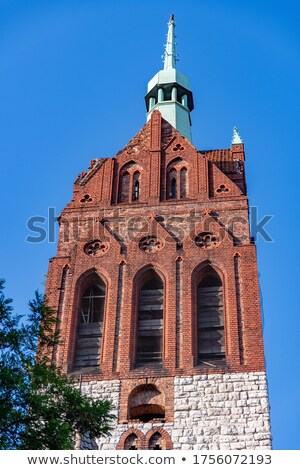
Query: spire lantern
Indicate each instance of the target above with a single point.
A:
(169, 90)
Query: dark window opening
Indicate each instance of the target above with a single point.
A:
(183, 182)
(124, 187)
(157, 442)
(136, 184)
(146, 403)
(150, 322)
(89, 335)
(211, 341)
(176, 177)
(131, 442)
(173, 188)
(167, 94)
(136, 191)
(147, 412)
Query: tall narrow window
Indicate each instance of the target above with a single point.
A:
(210, 318)
(173, 187)
(172, 183)
(183, 182)
(90, 327)
(136, 186)
(177, 178)
(124, 187)
(136, 191)
(150, 322)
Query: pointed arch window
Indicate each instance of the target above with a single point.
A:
(131, 442)
(89, 335)
(124, 187)
(210, 317)
(173, 188)
(177, 179)
(136, 186)
(157, 442)
(183, 182)
(150, 321)
(129, 189)
(172, 184)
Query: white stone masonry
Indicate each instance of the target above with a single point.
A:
(229, 411)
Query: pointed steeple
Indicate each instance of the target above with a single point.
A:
(236, 138)
(169, 90)
(170, 49)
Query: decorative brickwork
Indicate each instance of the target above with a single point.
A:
(96, 248)
(158, 438)
(160, 207)
(137, 438)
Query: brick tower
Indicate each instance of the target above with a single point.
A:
(155, 284)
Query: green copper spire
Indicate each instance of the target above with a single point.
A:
(170, 52)
(169, 90)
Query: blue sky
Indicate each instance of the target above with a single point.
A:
(73, 76)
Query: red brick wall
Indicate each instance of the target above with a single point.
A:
(95, 214)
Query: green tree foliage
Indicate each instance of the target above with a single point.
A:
(40, 408)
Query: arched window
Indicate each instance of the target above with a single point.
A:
(146, 403)
(130, 182)
(173, 187)
(172, 184)
(183, 182)
(124, 187)
(131, 442)
(157, 442)
(150, 321)
(132, 439)
(211, 344)
(177, 179)
(136, 186)
(89, 335)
